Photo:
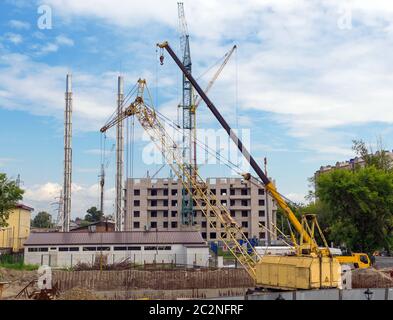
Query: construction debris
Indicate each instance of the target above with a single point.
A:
(78, 293)
(372, 278)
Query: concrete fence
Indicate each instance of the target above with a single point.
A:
(155, 280)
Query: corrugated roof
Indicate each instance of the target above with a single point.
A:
(134, 237)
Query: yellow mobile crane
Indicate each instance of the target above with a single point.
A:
(312, 266)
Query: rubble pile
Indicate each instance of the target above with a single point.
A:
(371, 278)
(78, 293)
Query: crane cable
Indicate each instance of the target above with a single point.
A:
(219, 157)
(201, 144)
(125, 101)
(212, 66)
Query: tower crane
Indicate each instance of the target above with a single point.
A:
(311, 267)
(189, 107)
(189, 120)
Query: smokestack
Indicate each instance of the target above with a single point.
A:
(67, 155)
(119, 215)
(69, 83)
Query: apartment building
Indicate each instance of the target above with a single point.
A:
(13, 237)
(155, 204)
(347, 165)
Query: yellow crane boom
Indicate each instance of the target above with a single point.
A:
(312, 267)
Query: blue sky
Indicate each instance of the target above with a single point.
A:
(307, 79)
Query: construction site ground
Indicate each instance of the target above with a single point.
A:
(96, 285)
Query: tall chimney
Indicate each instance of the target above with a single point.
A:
(67, 156)
(119, 215)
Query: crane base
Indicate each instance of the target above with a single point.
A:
(298, 272)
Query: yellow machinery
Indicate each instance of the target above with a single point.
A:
(311, 267)
(316, 267)
(356, 260)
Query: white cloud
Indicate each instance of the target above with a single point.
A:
(43, 91)
(64, 41)
(14, 38)
(44, 197)
(43, 193)
(48, 48)
(20, 25)
(296, 197)
(51, 47)
(294, 61)
(44, 86)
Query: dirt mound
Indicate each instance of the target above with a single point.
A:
(78, 294)
(16, 276)
(371, 278)
(17, 281)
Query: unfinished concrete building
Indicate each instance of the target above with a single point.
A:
(155, 204)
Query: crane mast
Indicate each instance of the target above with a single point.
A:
(189, 121)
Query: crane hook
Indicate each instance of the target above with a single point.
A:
(162, 58)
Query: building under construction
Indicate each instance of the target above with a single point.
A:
(155, 204)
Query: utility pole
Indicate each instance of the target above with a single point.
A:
(60, 208)
(18, 182)
(67, 156)
(119, 157)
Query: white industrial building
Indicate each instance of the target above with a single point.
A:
(65, 250)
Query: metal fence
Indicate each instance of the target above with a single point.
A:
(153, 279)
(16, 258)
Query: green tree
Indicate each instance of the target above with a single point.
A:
(42, 220)
(94, 215)
(282, 221)
(379, 159)
(359, 207)
(10, 194)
